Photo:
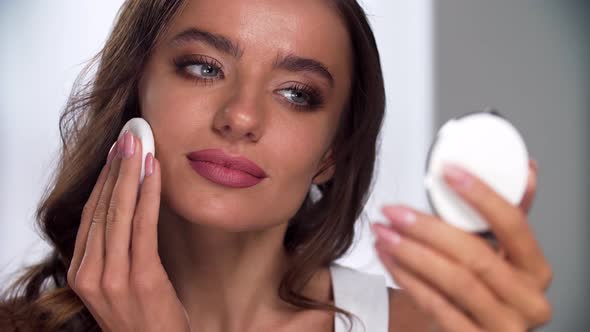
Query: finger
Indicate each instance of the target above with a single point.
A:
(448, 317)
(473, 253)
(121, 211)
(86, 219)
(451, 279)
(506, 221)
(531, 188)
(88, 277)
(93, 258)
(144, 246)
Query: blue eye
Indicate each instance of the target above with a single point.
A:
(296, 96)
(198, 68)
(302, 96)
(205, 70)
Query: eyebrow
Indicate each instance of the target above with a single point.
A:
(296, 63)
(219, 42)
(224, 44)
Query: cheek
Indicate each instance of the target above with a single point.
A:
(297, 151)
(299, 154)
(169, 106)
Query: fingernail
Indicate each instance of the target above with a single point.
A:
(149, 164)
(399, 215)
(112, 153)
(386, 234)
(129, 149)
(120, 146)
(457, 177)
(373, 226)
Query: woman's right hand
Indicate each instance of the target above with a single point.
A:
(116, 269)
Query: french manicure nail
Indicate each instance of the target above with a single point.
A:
(400, 216)
(129, 149)
(387, 235)
(112, 153)
(374, 226)
(458, 177)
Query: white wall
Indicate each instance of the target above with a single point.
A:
(44, 45)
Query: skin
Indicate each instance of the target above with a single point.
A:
(192, 255)
(457, 281)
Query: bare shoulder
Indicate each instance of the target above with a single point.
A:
(404, 314)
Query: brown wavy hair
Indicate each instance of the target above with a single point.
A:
(319, 233)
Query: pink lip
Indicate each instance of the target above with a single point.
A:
(218, 167)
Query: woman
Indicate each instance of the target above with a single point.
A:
(291, 94)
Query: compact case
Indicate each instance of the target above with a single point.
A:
(488, 146)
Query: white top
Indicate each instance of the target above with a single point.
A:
(362, 294)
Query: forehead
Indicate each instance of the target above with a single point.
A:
(267, 28)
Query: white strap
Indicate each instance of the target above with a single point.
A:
(362, 294)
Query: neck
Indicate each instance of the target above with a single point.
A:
(225, 279)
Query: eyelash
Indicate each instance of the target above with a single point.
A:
(191, 60)
(315, 98)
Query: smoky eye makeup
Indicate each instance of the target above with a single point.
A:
(198, 68)
(201, 69)
(301, 96)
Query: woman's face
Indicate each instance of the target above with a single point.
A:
(262, 79)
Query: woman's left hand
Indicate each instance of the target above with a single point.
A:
(456, 277)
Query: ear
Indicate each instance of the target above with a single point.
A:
(326, 169)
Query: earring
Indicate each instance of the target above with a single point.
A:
(315, 193)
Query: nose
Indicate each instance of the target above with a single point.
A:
(242, 117)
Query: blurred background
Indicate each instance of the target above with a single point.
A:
(530, 59)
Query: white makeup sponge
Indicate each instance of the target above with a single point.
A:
(141, 129)
(488, 146)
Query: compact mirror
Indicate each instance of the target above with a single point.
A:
(487, 145)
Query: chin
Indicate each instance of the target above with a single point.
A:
(226, 214)
(237, 210)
